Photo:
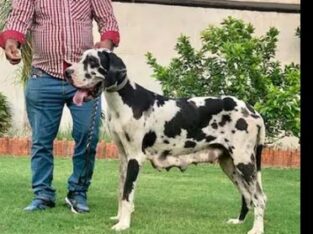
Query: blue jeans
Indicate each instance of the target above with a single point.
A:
(45, 98)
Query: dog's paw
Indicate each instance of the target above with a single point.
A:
(120, 226)
(117, 217)
(255, 231)
(234, 221)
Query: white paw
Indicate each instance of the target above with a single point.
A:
(255, 231)
(234, 221)
(120, 226)
(117, 217)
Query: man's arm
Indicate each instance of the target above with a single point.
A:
(17, 24)
(108, 27)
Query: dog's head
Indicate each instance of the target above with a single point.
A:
(98, 70)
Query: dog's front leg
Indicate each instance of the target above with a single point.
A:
(122, 177)
(133, 166)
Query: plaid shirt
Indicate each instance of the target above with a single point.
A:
(61, 30)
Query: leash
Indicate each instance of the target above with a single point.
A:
(87, 166)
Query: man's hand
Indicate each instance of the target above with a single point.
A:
(12, 53)
(108, 44)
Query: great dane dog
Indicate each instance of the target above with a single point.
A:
(173, 132)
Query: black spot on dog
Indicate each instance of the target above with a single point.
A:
(166, 142)
(91, 61)
(233, 131)
(255, 116)
(224, 120)
(153, 165)
(131, 176)
(88, 76)
(164, 154)
(222, 132)
(214, 125)
(192, 118)
(102, 71)
(209, 138)
(230, 150)
(140, 99)
(241, 124)
(159, 101)
(190, 144)
(127, 137)
(148, 140)
(247, 171)
(252, 158)
(226, 140)
(229, 104)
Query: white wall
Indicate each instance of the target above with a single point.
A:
(155, 28)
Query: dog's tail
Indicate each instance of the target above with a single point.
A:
(259, 148)
(260, 144)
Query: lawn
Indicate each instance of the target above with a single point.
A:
(199, 200)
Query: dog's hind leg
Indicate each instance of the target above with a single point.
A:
(229, 169)
(133, 167)
(249, 180)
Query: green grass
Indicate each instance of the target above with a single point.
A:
(199, 200)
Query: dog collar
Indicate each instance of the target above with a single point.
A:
(117, 87)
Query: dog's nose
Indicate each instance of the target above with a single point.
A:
(68, 74)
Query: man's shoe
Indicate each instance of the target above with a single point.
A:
(39, 204)
(77, 201)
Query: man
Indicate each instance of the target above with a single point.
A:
(61, 31)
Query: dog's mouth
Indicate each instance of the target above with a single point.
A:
(86, 94)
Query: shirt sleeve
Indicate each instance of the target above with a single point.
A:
(18, 22)
(104, 16)
(1, 41)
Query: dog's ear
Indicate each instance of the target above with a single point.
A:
(117, 68)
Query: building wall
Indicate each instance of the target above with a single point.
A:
(155, 28)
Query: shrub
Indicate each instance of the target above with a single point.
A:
(5, 115)
(232, 61)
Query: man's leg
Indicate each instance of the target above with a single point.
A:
(44, 105)
(86, 121)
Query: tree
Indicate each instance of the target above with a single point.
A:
(233, 61)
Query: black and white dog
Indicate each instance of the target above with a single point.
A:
(173, 132)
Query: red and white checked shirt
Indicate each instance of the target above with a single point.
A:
(61, 30)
